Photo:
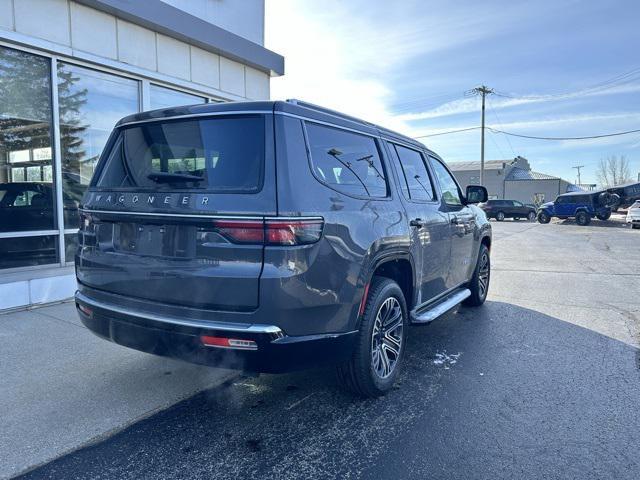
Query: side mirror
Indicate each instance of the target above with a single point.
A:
(476, 194)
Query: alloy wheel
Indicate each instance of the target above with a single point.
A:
(484, 274)
(386, 339)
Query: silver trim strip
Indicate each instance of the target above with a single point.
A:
(440, 308)
(213, 325)
(210, 217)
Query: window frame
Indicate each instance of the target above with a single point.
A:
(449, 206)
(376, 141)
(402, 176)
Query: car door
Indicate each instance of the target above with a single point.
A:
(428, 225)
(461, 224)
(519, 210)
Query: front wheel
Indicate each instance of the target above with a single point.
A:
(531, 216)
(377, 357)
(544, 217)
(479, 283)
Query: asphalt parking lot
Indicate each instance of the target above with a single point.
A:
(543, 381)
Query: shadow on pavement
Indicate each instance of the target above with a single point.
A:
(495, 392)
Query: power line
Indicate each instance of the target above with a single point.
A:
(533, 137)
(447, 133)
(495, 114)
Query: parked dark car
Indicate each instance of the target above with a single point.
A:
(582, 206)
(501, 209)
(271, 236)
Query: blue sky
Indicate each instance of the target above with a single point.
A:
(407, 64)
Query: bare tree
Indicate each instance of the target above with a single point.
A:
(613, 170)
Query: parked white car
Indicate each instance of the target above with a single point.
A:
(633, 214)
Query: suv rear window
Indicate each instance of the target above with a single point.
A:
(223, 154)
(347, 162)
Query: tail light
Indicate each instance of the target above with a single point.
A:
(275, 232)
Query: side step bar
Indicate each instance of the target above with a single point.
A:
(431, 312)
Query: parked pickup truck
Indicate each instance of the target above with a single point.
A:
(582, 206)
(272, 236)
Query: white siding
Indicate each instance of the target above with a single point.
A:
(48, 19)
(136, 45)
(93, 31)
(232, 77)
(6, 14)
(257, 84)
(205, 67)
(173, 57)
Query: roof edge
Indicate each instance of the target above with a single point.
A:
(173, 22)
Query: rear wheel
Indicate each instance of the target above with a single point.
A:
(479, 283)
(376, 360)
(583, 218)
(500, 216)
(531, 216)
(544, 217)
(604, 216)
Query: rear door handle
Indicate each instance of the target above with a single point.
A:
(417, 222)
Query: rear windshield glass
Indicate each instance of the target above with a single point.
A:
(223, 154)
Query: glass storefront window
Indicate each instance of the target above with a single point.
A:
(26, 176)
(90, 102)
(28, 251)
(161, 97)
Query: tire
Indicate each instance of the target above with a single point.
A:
(543, 217)
(583, 218)
(531, 216)
(500, 216)
(479, 283)
(362, 374)
(604, 217)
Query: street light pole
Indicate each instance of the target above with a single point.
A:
(578, 167)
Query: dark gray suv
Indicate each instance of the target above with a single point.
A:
(270, 236)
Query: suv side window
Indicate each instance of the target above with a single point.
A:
(517, 204)
(448, 185)
(417, 182)
(345, 161)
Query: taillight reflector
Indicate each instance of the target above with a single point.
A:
(271, 232)
(86, 310)
(232, 343)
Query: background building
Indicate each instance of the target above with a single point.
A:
(512, 179)
(68, 71)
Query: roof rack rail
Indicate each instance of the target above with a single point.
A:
(335, 113)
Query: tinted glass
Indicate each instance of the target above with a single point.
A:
(26, 172)
(161, 97)
(91, 103)
(348, 162)
(450, 192)
(216, 154)
(518, 204)
(28, 251)
(417, 181)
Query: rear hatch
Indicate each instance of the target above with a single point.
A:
(175, 213)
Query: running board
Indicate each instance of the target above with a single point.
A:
(430, 313)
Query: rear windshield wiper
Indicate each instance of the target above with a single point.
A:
(166, 177)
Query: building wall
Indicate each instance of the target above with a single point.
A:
(242, 17)
(525, 190)
(106, 39)
(69, 72)
(493, 180)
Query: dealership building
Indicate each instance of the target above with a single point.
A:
(68, 71)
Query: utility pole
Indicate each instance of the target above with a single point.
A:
(578, 167)
(484, 91)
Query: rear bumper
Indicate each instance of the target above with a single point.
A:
(180, 338)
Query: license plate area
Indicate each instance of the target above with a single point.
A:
(168, 241)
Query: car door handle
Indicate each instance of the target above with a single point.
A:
(417, 222)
